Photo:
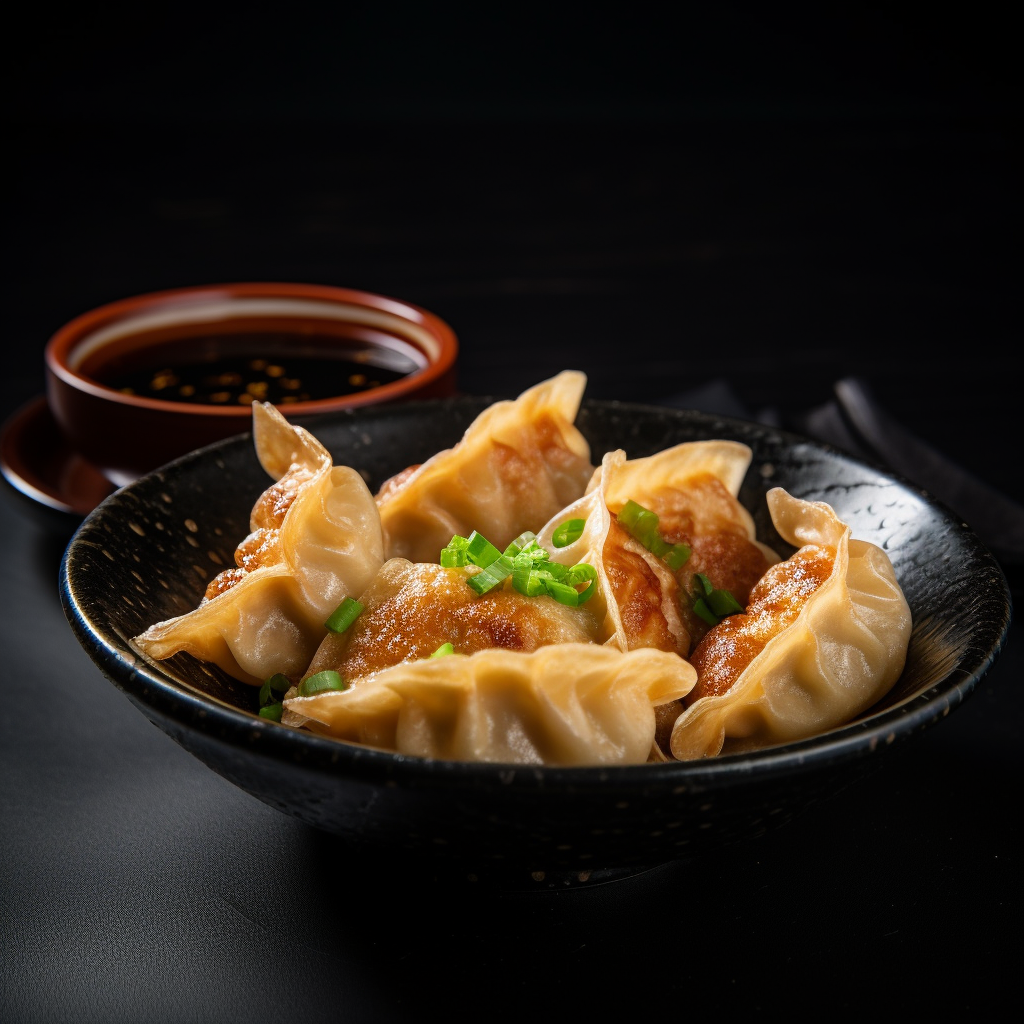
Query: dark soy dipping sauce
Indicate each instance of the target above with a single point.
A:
(283, 370)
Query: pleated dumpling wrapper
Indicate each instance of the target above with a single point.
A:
(564, 704)
(315, 539)
(823, 638)
(515, 466)
(692, 487)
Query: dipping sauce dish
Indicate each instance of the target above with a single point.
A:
(139, 382)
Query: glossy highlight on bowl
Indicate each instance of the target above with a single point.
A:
(406, 351)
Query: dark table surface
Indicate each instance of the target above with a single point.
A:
(731, 246)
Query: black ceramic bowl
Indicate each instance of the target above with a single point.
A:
(147, 551)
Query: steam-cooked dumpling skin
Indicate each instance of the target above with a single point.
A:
(412, 608)
(517, 464)
(567, 704)
(315, 538)
(692, 487)
(824, 637)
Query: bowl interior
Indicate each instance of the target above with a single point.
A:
(146, 553)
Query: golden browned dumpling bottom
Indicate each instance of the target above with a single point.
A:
(728, 648)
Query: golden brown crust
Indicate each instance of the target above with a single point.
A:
(728, 648)
(639, 593)
(414, 608)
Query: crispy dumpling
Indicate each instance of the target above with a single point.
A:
(315, 539)
(635, 598)
(412, 608)
(824, 637)
(516, 465)
(564, 704)
(692, 487)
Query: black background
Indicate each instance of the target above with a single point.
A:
(770, 199)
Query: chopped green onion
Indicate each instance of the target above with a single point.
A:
(272, 711)
(700, 606)
(723, 603)
(530, 566)
(555, 580)
(533, 555)
(642, 524)
(454, 556)
(320, 682)
(583, 572)
(569, 531)
(563, 593)
(713, 603)
(278, 682)
(526, 541)
(481, 551)
(491, 575)
(676, 556)
(444, 649)
(528, 579)
(539, 583)
(344, 615)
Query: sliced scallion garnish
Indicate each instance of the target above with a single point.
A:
(700, 606)
(530, 566)
(321, 682)
(447, 648)
(480, 551)
(580, 573)
(713, 603)
(453, 555)
(526, 541)
(676, 556)
(272, 711)
(344, 615)
(642, 524)
(722, 603)
(278, 683)
(567, 532)
(492, 575)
